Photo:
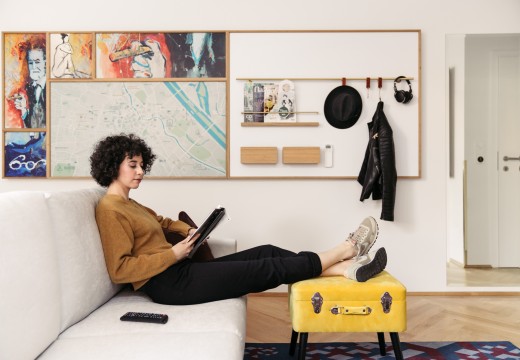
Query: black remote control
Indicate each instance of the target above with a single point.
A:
(145, 317)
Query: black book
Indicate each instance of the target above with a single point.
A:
(207, 227)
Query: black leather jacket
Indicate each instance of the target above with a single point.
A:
(378, 174)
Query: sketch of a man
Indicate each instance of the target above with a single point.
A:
(32, 102)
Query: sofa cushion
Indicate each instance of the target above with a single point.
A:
(85, 283)
(29, 279)
(150, 345)
(214, 330)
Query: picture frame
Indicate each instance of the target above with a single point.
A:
(25, 80)
(25, 154)
(160, 55)
(181, 61)
(187, 121)
(71, 55)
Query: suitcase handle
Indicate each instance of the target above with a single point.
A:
(350, 310)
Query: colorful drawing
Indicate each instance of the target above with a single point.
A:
(132, 55)
(71, 56)
(25, 80)
(160, 55)
(25, 154)
(198, 54)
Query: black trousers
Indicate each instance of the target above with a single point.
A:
(254, 270)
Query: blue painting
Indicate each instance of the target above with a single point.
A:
(25, 154)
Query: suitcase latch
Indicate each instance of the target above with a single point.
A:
(386, 301)
(350, 310)
(317, 301)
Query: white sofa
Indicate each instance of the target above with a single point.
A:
(57, 301)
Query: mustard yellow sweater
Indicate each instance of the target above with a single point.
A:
(134, 244)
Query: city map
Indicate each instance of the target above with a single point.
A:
(183, 122)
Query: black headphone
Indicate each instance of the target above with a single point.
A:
(403, 96)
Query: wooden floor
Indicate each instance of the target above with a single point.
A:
(457, 275)
(430, 318)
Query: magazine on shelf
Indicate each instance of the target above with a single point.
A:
(206, 228)
(285, 106)
(270, 96)
(248, 102)
(258, 102)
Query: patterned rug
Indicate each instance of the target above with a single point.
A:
(502, 350)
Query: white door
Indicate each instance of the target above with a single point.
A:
(508, 141)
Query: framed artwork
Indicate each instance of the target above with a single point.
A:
(185, 122)
(71, 55)
(161, 55)
(25, 154)
(25, 80)
(64, 91)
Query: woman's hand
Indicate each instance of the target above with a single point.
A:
(183, 248)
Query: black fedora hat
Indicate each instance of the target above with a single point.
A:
(343, 107)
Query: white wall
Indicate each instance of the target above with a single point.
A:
(301, 214)
(455, 65)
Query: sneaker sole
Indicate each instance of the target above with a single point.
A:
(373, 268)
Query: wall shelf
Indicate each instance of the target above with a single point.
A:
(281, 124)
(317, 78)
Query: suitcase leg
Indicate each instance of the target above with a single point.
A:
(397, 345)
(303, 345)
(382, 344)
(294, 340)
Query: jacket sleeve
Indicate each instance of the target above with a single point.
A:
(388, 170)
(372, 172)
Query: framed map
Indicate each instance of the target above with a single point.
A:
(185, 122)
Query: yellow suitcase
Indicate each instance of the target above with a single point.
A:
(338, 304)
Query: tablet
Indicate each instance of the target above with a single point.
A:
(207, 227)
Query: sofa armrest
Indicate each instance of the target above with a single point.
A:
(222, 246)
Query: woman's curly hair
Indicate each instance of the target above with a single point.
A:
(110, 152)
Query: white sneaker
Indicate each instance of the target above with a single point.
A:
(367, 266)
(365, 236)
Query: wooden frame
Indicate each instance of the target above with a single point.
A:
(329, 55)
(93, 67)
(71, 56)
(125, 55)
(24, 63)
(25, 154)
(24, 120)
(103, 60)
(194, 144)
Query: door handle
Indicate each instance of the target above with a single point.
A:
(509, 158)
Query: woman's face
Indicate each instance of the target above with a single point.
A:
(131, 172)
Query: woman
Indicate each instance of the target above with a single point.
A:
(136, 250)
(63, 67)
